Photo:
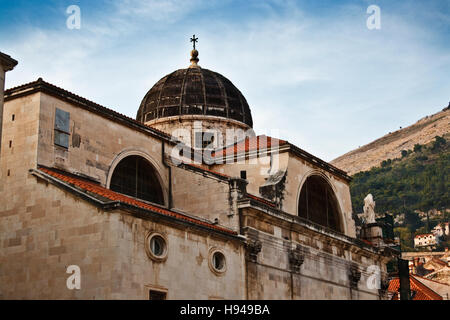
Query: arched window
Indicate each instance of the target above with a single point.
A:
(136, 177)
(318, 203)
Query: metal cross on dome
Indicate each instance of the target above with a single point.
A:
(194, 40)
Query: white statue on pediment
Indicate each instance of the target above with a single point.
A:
(369, 209)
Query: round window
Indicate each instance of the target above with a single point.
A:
(156, 246)
(217, 262)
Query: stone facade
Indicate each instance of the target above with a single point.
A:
(6, 64)
(48, 223)
(54, 229)
(184, 128)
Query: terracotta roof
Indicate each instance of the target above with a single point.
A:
(439, 261)
(249, 144)
(422, 291)
(443, 283)
(262, 200)
(94, 188)
(367, 242)
(423, 235)
(203, 169)
(265, 142)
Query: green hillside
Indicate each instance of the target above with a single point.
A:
(419, 180)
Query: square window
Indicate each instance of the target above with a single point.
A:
(62, 124)
(61, 139)
(62, 120)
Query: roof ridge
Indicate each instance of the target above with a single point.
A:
(246, 145)
(426, 287)
(83, 100)
(431, 280)
(260, 199)
(204, 169)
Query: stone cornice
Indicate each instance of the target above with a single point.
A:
(7, 62)
(52, 90)
(281, 218)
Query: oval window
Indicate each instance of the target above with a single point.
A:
(217, 262)
(156, 246)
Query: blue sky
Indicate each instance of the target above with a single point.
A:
(312, 72)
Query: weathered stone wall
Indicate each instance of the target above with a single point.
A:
(204, 195)
(44, 229)
(185, 127)
(298, 171)
(2, 88)
(19, 145)
(47, 229)
(258, 169)
(94, 143)
(323, 272)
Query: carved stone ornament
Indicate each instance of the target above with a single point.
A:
(354, 276)
(253, 247)
(296, 258)
(384, 285)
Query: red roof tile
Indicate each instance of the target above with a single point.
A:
(250, 144)
(422, 291)
(206, 170)
(367, 242)
(262, 200)
(95, 188)
(423, 235)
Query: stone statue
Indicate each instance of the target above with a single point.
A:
(369, 209)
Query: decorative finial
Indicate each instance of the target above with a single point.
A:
(194, 52)
(194, 40)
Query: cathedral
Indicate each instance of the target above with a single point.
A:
(183, 202)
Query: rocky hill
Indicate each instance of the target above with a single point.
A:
(391, 145)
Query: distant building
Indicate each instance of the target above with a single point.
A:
(441, 229)
(430, 213)
(424, 240)
(431, 265)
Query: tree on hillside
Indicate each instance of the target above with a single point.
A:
(412, 220)
(417, 148)
(438, 143)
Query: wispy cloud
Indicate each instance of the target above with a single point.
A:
(167, 11)
(317, 75)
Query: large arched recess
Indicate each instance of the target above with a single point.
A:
(317, 202)
(133, 174)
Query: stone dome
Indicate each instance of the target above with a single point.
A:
(194, 91)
